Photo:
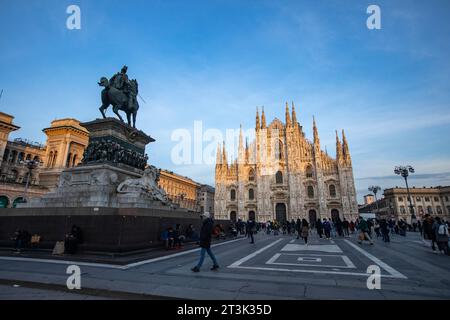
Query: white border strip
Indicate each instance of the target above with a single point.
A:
(254, 254)
(314, 271)
(79, 263)
(111, 266)
(140, 263)
(348, 263)
(383, 265)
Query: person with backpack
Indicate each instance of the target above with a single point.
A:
(305, 230)
(428, 232)
(441, 230)
(327, 228)
(363, 232)
(205, 242)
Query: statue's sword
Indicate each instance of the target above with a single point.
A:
(142, 98)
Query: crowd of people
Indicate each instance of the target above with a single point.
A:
(435, 231)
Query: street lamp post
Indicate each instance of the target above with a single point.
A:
(404, 172)
(375, 190)
(30, 164)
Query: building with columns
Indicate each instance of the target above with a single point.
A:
(282, 175)
(434, 201)
(66, 141)
(64, 148)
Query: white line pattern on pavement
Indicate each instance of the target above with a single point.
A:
(331, 248)
(347, 261)
(316, 271)
(111, 266)
(140, 263)
(254, 254)
(383, 265)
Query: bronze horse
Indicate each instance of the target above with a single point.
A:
(119, 100)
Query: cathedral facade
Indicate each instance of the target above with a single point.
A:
(282, 176)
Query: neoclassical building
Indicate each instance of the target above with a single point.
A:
(66, 140)
(181, 190)
(64, 148)
(282, 175)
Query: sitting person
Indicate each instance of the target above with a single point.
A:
(165, 238)
(171, 238)
(73, 239)
(191, 234)
(20, 238)
(179, 238)
(233, 230)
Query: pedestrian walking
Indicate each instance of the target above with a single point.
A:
(305, 231)
(345, 227)
(205, 242)
(319, 227)
(384, 228)
(251, 229)
(441, 231)
(363, 232)
(428, 233)
(352, 227)
(327, 228)
(298, 227)
(339, 227)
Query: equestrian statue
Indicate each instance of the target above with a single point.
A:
(121, 93)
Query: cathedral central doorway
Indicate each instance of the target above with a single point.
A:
(251, 215)
(280, 212)
(312, 218)
(334, 214)
(233, 216)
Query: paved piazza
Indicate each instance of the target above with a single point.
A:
(276, 267)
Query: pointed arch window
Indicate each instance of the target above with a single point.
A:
(310, 191)
(332, 189)
(233, 194)
(279, 177)
(251, 194)
(279, 150)
(309, 171)
(251, 175)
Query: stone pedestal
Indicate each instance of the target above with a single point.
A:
(111, 173)
(117, 131)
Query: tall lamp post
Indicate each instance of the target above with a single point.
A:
(31, 165)
(404, 172)
(375, 190)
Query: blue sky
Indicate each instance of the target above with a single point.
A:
(215, 61)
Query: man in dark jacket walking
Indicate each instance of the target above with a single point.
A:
(251, 229)
(205, 242)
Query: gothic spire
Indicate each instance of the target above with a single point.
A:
(258, 125)
(263, 119)
(241, 147)
(218, 155)
(345, 150)
(288, 117)
(338, 148)
(294, 115)
(316, 133)
(224, 155)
